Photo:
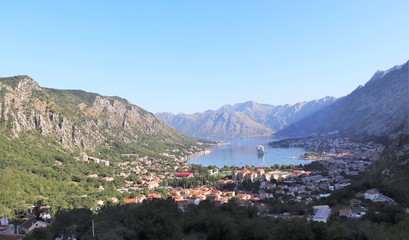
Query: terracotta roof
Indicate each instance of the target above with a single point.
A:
(345, 212)
(183, 174)
(130, 200)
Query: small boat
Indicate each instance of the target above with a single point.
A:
(260, 150)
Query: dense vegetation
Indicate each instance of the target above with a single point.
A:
(29, 173)
(391, 173)
(162, 219)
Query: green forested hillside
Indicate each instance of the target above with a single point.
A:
(391, 174)
(43, 132)
(29, 174)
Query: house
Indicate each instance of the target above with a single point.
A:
(7, 228)
(135, 199)
(104, 162)
(243, 196)
(224, 182)
(152, 184)
(316, 208)
(184, 174)
(99, 161)
(32, 224)
(326, 195)
(284, 175)
(107, 179)
(371, 194)
(4, 221)
(355, 202)
(251, 176)
(235, 174)
(92, 176)
(346, 212)
(154, 196)
(298, 172)
(322, 215)
(266, 177)
(314, 178)
(260, 171)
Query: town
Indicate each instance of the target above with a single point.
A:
(276, 191)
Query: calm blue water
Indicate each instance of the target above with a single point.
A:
(243, 152)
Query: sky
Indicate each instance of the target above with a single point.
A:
(191, 56)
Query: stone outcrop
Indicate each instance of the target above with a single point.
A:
(76, 119)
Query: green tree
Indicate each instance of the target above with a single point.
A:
(75, 222)
(39, 234)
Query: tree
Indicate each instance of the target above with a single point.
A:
(39, 234)
(293, 229)
(75, 222)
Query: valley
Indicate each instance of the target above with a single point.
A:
(65, 151)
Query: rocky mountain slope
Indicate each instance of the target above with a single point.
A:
(249, 119)
(44, 133)
(78, 120)
(379, 108)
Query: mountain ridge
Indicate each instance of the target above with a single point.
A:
(378, 108)
(79, 120)
(248, 119)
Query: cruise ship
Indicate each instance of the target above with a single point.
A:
(260, 150)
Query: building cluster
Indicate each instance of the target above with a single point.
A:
(261, 175)
(337, 148)
(343, 158)
(38, 217)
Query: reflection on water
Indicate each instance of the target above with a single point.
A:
(243, 152)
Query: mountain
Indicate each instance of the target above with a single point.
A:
(249, 119)
(211, 124)
(78, 120)
(46, 133)
(379, 108)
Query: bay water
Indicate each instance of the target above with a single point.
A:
(242, 152)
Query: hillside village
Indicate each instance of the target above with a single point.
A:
(270, 190)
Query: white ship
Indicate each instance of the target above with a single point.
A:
(260, 150)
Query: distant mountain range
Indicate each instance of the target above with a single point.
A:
(379, 108)
(249, 119)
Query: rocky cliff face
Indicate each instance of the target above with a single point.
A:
(76, 119)
(379, 108)
(249, 119)
(212, 124)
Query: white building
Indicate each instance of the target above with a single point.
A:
(322, 215)
(371, 194)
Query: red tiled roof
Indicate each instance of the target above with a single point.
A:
(345, 211)
(130, 200)
(183, 174)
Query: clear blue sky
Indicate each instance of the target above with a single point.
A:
(190, 56)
